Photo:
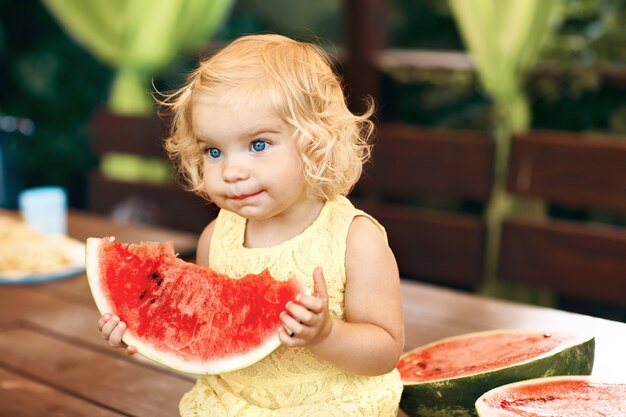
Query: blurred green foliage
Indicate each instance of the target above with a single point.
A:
(315, 21)
(45, 77)
(573, 89)
(423, 24)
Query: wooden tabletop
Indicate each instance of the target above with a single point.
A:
(82, 225)
(54, 362)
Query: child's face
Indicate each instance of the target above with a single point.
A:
(251, 165)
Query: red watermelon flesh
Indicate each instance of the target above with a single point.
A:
(446, 377)
(476, 353)
(184, 315)
(567, 396)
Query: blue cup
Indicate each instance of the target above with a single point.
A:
(45, 208)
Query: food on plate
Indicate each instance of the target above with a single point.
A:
(25, 250)
(184, 315)
(446, 377)
(557, 396)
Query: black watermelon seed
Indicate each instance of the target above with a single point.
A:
(154, 275)
(143, 294)
(159, 282)
(152, 301)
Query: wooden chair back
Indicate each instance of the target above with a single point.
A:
(175, 207)
(583, 258)
(412, 163)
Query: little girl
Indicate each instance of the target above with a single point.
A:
(262, 130)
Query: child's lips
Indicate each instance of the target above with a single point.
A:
(244, 196)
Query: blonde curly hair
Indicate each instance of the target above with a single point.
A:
(297, 81)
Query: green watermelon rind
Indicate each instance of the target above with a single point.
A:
(455, 397)
(149, 351)
(483, 409)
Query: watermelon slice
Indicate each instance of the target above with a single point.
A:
(557, 396)
(183, 315)
(445, 378)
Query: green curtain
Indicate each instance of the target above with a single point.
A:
(503, 38)
(138, 38)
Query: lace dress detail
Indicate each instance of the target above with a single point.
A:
(292, 381)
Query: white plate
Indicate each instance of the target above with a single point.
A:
(75, 251)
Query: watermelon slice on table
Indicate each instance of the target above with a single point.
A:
(183, 315)
(557, 396)
(446, 377)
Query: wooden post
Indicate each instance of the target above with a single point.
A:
(364, 34)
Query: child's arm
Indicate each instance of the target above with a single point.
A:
(371, 339)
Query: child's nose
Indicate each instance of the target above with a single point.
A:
(235, 169)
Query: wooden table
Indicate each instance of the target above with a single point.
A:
(54, 362)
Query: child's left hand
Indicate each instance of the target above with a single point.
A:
(307, 319)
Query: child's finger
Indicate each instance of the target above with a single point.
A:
(102, 321)
(288, 340)
(131, 350)
(319, 284)
(115, 338)
(313, 304)
(109, 326)
(318, 300)
(291, 325)
(301, 312)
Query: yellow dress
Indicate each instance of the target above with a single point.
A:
(292, 381)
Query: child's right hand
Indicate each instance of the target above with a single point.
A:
(112, 330)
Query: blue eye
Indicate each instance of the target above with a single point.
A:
(214, 152)
(259, 145)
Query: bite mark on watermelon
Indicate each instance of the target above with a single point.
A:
(446, 377)
(184, 315)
